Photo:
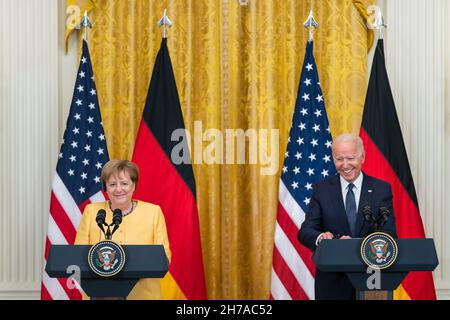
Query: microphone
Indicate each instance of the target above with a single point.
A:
(384, 216)
(367, 213)
(368, 216)
(117, 219)
(100, 219)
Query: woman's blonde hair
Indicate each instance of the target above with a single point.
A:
(116, 166)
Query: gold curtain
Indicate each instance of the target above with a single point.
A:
(236, 67)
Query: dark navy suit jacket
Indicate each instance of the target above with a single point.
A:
(327, 213)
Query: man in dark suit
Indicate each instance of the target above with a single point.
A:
(335, 211)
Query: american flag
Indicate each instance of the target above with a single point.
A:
(77, 179)
(307, 160)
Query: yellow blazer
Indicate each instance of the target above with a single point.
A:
(145, 225)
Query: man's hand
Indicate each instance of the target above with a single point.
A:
(345, 237)
(326, 236)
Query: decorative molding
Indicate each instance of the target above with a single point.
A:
(443, 294)
(20, 291)
(28, 127)
(20, 295)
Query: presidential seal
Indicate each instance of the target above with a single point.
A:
(379, 250)
(106, 258)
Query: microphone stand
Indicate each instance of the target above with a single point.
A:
(108, 234)
(116, 222)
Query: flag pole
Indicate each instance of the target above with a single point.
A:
(164, 22)
(85, 23)
(310, 23)
(380, 24)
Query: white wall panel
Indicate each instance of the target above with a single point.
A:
(28, 127)
(417, 58)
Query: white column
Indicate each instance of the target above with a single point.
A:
(417, 58)
(28, 139)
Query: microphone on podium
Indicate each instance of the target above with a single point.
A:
(384, 216)
(368, 216)
(100, 219)
(117, 219)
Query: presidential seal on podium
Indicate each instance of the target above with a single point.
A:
(106, 258)
(379, 250)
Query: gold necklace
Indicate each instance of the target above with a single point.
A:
(127, 213)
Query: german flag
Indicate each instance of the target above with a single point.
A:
(386, 159)
(170, 182)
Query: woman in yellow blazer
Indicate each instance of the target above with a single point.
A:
(142, 222)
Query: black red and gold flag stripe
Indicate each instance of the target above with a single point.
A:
(168, 183)
(386, 159)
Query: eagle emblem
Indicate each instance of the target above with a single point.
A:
(379, 250)
(106, 258)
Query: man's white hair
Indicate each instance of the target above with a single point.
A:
(345, 137)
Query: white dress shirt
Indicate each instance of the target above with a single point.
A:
(356, 191)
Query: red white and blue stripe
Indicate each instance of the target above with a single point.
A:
(77, 179)
(307, 160)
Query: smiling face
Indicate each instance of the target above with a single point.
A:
(348, 159)
(120, 189)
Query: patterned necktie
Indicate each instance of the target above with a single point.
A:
(350, 207)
